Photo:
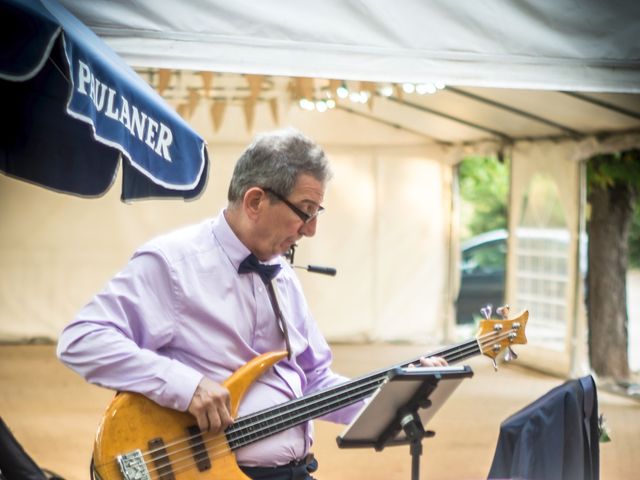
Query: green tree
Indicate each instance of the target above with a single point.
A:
(634, 238)
(484, 187)
(613, 187)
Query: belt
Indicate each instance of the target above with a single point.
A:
(294, 470)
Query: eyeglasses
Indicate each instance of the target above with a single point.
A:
(304, 216)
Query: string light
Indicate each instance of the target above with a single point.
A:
(408, 87)
(423, 88)
(386, 90)
(342, 91)
(307, 104)
(329, 97)
(316, 105)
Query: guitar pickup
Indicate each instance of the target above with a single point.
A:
(161, 459)
(198, 448)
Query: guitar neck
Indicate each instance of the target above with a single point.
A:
(259, 425)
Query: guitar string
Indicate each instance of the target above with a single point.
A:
(221, 447)
(217, 453)
(455, 353)
(249, 421)
(374, 382)
(286, 423)
(226, 448)
(366, 387)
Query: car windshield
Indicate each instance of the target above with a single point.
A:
(485, 258)
(482, 269)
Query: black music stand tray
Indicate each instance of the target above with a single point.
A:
(399, 409)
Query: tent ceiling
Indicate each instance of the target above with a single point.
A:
(513, 70)
(452, 115)
(586, 45)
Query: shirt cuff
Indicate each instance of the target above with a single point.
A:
(180, 389)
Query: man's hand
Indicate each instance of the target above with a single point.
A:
(211, 405)
(433, 362)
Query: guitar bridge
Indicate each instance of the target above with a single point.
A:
(132, 466)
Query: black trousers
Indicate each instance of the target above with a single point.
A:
(295, 470)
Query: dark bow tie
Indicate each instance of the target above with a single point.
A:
(252, 264)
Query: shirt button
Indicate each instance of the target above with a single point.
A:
(260, 289)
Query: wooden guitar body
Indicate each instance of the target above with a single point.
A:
(169, 441)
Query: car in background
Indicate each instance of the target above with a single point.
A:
(482, 274)
(543, 276)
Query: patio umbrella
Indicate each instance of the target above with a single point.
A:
(72, 108)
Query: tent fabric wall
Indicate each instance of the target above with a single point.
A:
(412, 245)
(382, 231)
(562, 45)
(57, 251)
(554, 161)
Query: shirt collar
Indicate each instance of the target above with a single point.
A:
(235, 250)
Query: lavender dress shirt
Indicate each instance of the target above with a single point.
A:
(180, 311)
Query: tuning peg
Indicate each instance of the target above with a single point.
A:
(509, 354)
(495, 365)
(503, 311)
(486, 311)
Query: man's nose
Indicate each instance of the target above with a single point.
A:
(309, 229)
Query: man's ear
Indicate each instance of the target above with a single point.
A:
(253, 202)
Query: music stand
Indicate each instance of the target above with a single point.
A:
(398, 411)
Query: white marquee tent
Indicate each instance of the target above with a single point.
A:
(548, 83)
(564, 45)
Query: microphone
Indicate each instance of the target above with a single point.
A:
(317, 269)
(309, 268)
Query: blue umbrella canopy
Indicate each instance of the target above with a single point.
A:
(72, 108)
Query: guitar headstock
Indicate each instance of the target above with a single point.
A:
(498, 334)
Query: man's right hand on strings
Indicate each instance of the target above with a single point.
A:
(211, 405)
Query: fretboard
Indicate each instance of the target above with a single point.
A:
(262, 424)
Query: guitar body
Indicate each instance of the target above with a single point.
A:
(165, 438)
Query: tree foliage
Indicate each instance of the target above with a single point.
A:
(634, 239)
(607, 171)
(484, 187)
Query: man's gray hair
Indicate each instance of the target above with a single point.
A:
(274, 160)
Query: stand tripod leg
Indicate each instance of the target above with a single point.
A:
(416, 451)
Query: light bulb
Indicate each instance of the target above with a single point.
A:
(408, 87)
(423, 88)
(387, 90)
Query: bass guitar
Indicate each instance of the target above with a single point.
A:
(138, 439)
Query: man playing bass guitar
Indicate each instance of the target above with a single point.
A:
(195, 305)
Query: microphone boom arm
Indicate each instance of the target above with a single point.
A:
(309, 268)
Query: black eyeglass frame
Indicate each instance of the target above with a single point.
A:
(304, 216)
